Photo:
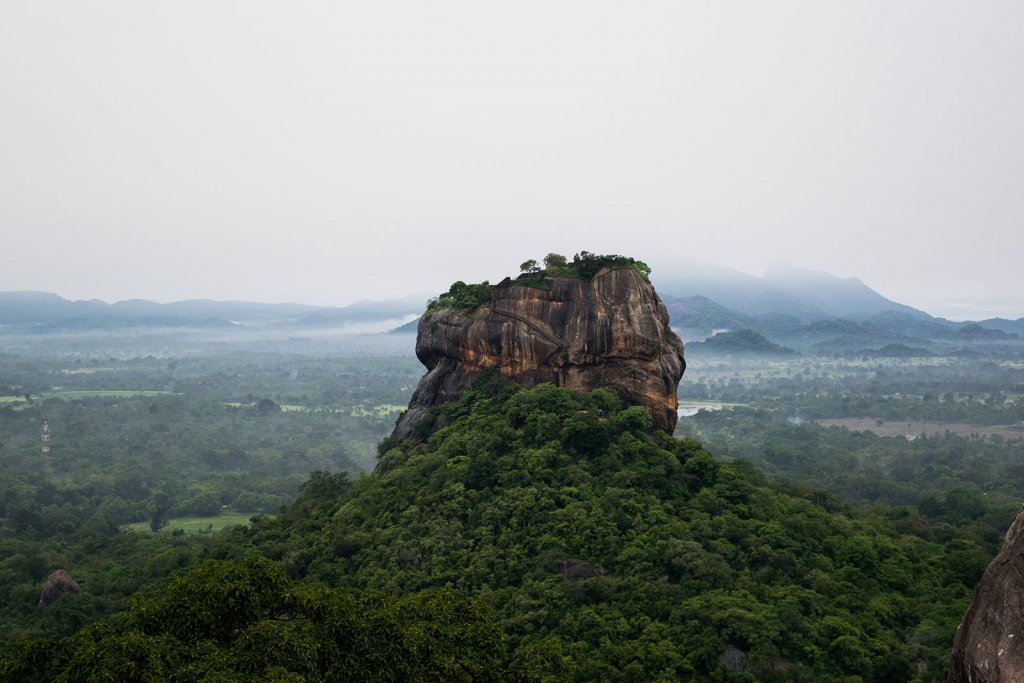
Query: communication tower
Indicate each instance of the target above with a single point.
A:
(46, 438)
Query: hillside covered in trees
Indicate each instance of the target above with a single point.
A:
(642, 556)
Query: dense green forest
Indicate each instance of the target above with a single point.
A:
(801, 551)
(947, 477)
(246, 621)
(151, 441)
(978, 391)
(647, 559)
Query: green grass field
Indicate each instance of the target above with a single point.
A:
(196, 525)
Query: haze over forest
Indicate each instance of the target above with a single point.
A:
(328, 153)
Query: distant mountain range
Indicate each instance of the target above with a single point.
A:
(813, 312)
(46, 312)
(809, 311)
(785, 290)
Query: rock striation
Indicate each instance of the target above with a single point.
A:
(610, 330)
(989, 645)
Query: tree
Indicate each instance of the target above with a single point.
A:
(159, 509)
(529, 266)
(267, 406)
(555, 261)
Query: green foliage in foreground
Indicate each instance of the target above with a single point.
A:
(641, 554)
(247, 621)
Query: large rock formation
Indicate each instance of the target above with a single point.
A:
(989, 645)
(610, 330)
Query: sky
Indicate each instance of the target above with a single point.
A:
(324, 152)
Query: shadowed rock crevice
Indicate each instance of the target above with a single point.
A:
(610, 330)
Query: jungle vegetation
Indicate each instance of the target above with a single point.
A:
(808, 552)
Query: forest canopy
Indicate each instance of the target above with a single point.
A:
(247, 621)
(644, 557)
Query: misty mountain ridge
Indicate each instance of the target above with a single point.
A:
(48, 312)
(785, 290)
(741, 342)
(805, 310)
(838, 297)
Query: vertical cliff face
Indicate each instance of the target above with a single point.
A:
(989, 645)
(610, 330)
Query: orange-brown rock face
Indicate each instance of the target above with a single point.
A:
(989, 645)
(610, 331)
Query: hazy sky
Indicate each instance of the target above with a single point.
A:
(324, 152)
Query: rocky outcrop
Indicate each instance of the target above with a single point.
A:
(989, 645)
(610, 330)
(57, 584)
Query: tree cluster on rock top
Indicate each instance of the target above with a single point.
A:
(584, 265)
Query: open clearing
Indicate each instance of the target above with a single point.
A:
(196, 525)
(914, 428)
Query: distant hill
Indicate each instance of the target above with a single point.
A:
(698, 317)
(837, 297)
(743, 342)
(366, 310)
(745, 294)
(1012, 326)
(805, 295)
(975, 331)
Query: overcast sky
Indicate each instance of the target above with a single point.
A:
(327, 151)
